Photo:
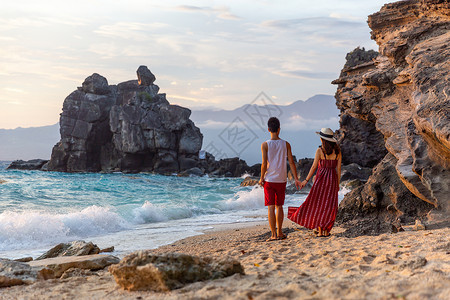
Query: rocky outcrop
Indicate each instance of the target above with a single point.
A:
(228, 167)
(16, 273)
(128, 127)
(75, 248)
(55, 267)
(34, 164)
(142, 270)
(395, 115)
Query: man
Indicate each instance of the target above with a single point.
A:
(274, 177)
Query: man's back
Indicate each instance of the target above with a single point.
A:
(276, 157)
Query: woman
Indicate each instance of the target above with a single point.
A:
(320, 207)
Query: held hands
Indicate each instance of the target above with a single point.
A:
(303, 183)
(298, 184)
(261, 182)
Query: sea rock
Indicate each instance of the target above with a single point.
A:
(395, 115)
(16, 273)
(231, 167)
(75, 248)
(34, 164)
(128, 127)
(192, 172)
(142, 270)
(250, 181)
(55, 267)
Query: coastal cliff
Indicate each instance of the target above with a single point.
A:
(395, 117)
(127, 127)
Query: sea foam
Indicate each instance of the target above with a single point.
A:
(32, 228)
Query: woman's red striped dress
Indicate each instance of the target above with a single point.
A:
(321, 205)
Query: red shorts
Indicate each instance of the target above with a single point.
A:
(274, 193)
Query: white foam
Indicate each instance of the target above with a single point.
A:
(33, 228)
(344, 190)
(244, 200)
(149, 213)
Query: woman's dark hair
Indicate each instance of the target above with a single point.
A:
(273, 124)
(328, 147)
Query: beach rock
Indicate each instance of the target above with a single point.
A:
(55, 267)
(250, 181)
(24, 259)
(142, 270)
(413, 263)
(354, 171)
(380, 204)
(395, 115)
(128, 127)
(34, 164)
(419, 225)
(109, 249)
(75, 248)
(16, 273)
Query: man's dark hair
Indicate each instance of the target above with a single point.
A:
(273, 124)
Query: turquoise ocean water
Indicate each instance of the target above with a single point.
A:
(128, 211)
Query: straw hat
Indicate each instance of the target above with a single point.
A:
(326, 134)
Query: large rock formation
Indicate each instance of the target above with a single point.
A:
(126, 127)
(395, 114)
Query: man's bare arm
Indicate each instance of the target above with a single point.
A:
(264, 149)
(292, 164)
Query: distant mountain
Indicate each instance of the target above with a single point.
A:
(226, 133)
(28, 143)
(318, 107)
(240, 132)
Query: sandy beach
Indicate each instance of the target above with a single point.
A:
(405, 265)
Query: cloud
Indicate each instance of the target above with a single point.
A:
(221, 12)
(300, 123)
(129, 30)
(313, 24)
(19, 91)
(210, 124)
(304, 74)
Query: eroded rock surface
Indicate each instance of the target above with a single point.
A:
(128, 127)
(75, 248)
(55, 267)
(395, 114)
(142, 270)
(16, 273)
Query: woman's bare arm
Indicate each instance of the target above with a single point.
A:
(313, 168)
(292, 164)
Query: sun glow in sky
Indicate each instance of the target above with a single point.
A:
(203, 53)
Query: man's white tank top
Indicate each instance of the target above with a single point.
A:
(276, 158)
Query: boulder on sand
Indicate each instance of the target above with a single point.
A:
(142, 270)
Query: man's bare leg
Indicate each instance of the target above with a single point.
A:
(272, 221)
(280, 216)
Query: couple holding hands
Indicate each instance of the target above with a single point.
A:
(320, 207)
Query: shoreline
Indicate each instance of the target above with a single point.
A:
(405, 265)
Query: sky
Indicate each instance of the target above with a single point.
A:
(204, 54)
